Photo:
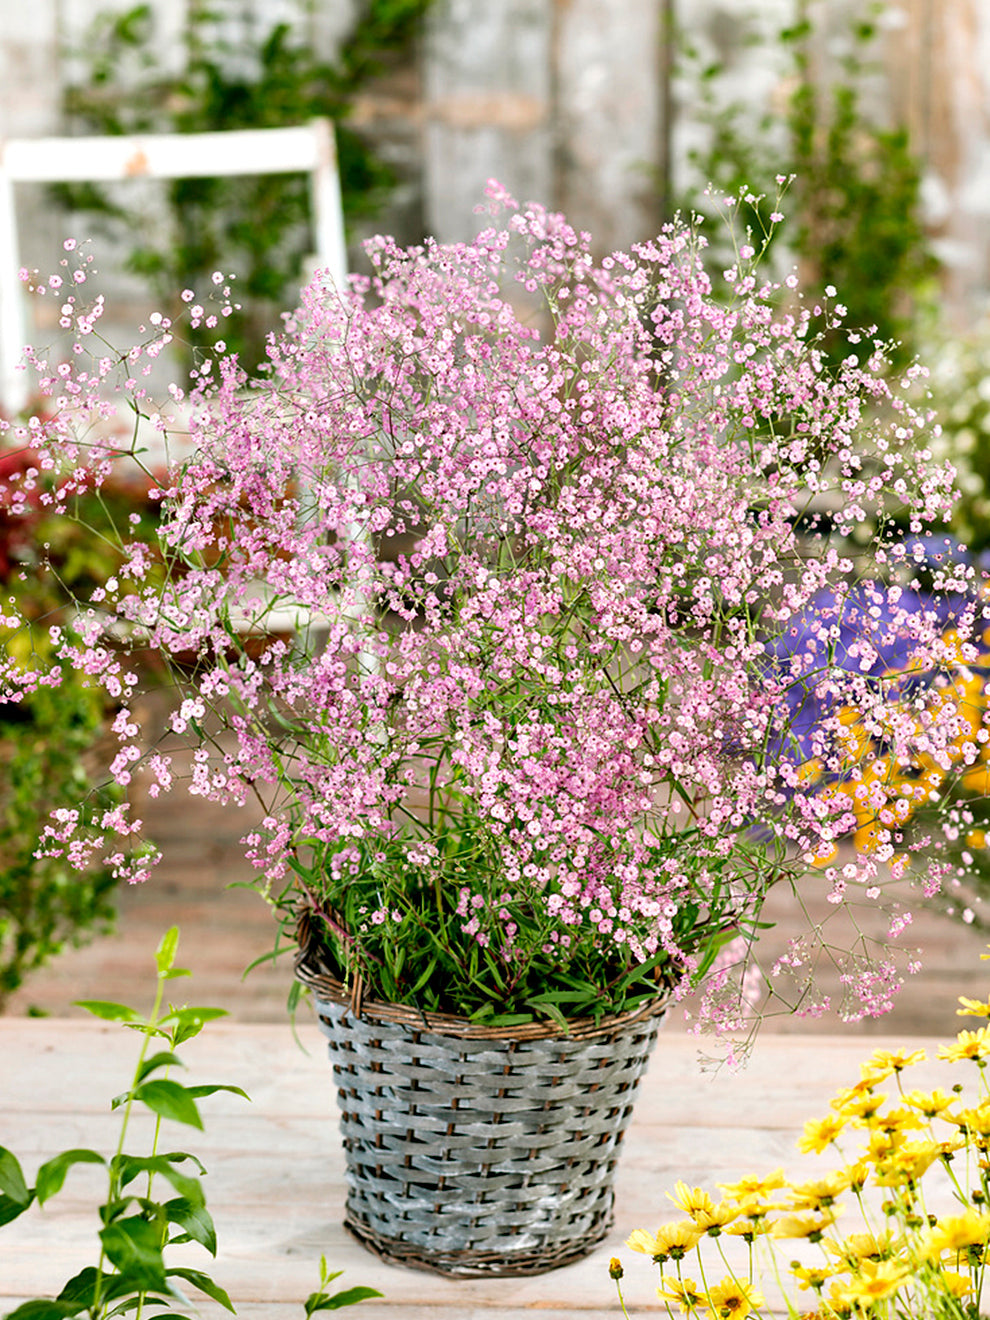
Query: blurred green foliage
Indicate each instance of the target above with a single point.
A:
(47, 744)
(854, 205)
(255, 226)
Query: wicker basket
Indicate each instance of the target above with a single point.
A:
(475, 1152)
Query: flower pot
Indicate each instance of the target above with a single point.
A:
(473, 1151)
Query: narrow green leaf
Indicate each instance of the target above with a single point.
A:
(11, 1209)
(163, 1059)
(502, 1019)
(200, 1091)
(134, 1246)
(549, 1009)
(40, 1309)
(12, 1182)
(347, 1297)
(81, 1288)
(129, 1167)
(51, 1175)
(170, 1100)
(194, 1220)
(184, 1023)
(166, 951)
(205, 1284)
(109, 1012)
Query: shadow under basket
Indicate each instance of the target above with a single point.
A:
(472, 1151)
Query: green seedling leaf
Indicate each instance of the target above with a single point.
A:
(109, 1012)
(43, 1310)
(130, 1167)
(179, 1156)
(90, 1285)
(200, 1091)
(503, 1019)
(134, 1246)
(12, 1183)
(194, 1220)
(184, 1023)
(174, 973)
(163, 1059)
(346, 1297)
(10, 1210)
(167, 949)
(51, 1175)
(170, 1100)
(549, 1009)
(205, 1284)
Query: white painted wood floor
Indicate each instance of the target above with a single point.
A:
(275, 1185)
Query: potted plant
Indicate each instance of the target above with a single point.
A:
(526, 767)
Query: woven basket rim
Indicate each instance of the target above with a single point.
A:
(311, 972)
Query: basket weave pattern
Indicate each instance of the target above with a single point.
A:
(481, 1156)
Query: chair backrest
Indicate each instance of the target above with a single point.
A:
(309, 149)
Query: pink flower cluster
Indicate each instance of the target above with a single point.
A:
(537, 518)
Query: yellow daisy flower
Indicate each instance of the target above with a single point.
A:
(858, 1247)
(896, 1120)
(908, 1163)
(754, 1187)
(955, 1284)
(690, 1199)
(975, 1121)
(973, 1045)
(932, 1104)
(855, 1104)
(809, 1277)
(750, 1226)
(734, 1300)
(720, 1215)
(670, 1240)
(819, 1133)
(819, 1192)
(956, 1232)
(874, 1280)
(973, 1007)
(683, 1293)
(882, 1063)
(805, 1223)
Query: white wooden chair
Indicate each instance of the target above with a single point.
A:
(309, 148)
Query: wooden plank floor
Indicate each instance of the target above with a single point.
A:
(275, 1185)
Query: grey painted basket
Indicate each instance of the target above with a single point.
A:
(480, 1155)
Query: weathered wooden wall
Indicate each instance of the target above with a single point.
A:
(563, 102)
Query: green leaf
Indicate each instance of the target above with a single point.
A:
(185, 1023)
(166, 951)
(205, 1284)
(163, 1059)
(200, 1091)
(129, 1167)
(347, 1297)
(109, 1012)
(10, 1209)
(40, 1309)
(12, 1183)
(84, 1288)
(549, 1009)
(194, 1220)
(51, 1175)
(134, 1246)
(170, 1100)
(502, 1019)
